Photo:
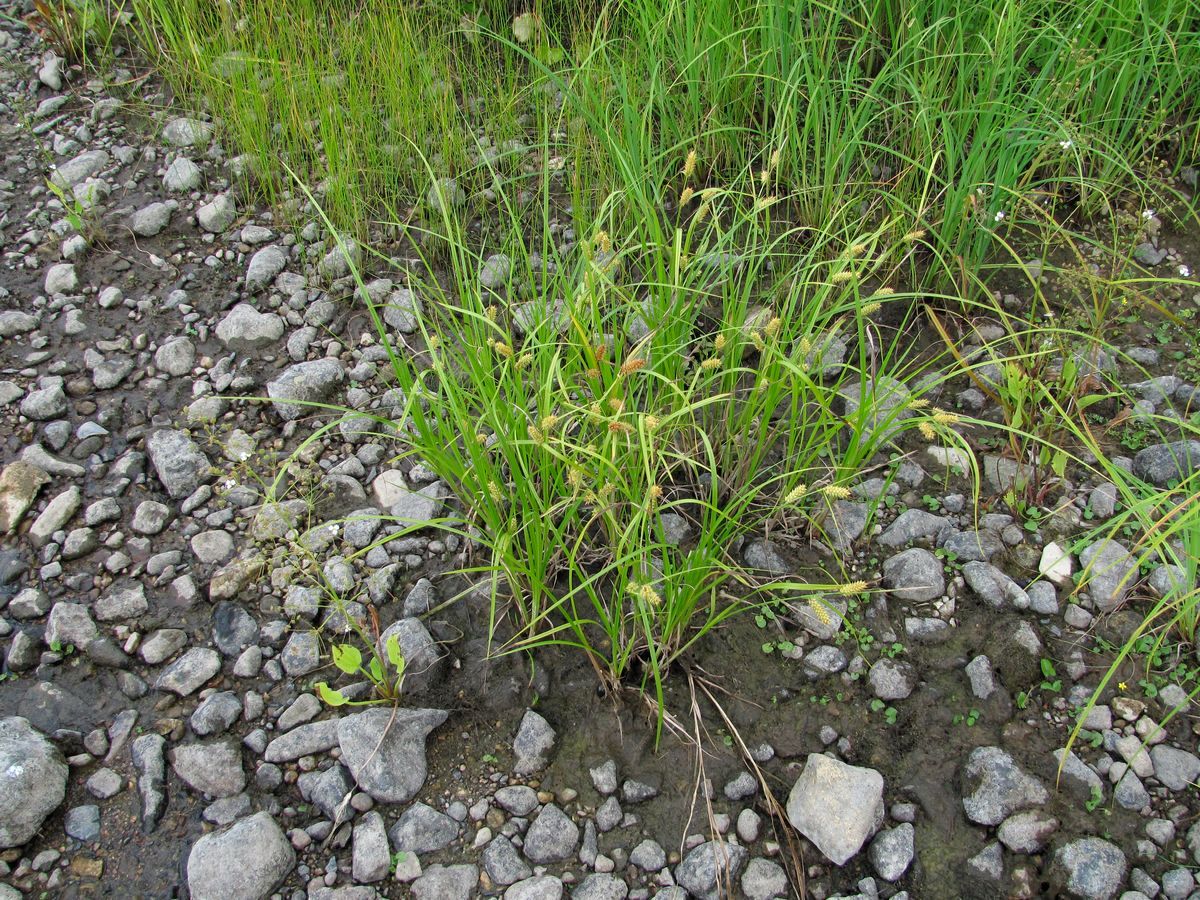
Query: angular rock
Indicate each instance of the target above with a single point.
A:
(246, 330)
(304, 740)
(264, 266)
(997, 787)
(503, 863)
(218, 214)
(305, 383)
(1163, 464)
(1027, 832)
(424, 666)
(1090, 868)
(994, 587)
(551, 837)
(914, 575)
(386, 752)
(20, 483)
(1110, 570)
(180, 464)
(446, 883)
(836, 806)
(190, 672)
(149, 760)
(33, 780)
(706, 869)
(246, 861)
(422, 829)
(892, 851)
(213, 768)
(533, 743)
(371, 857)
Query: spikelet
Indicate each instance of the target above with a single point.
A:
(689, 164)
(918, 403)
(502, 349)
(885, 291)
(926, 430)
(535, 434)
(842, 277)
(819, 610)
(853, 587)
(773, 327)
(686, 195)
(942, 417)
(914, 235)
(836, 491)
(632, 365)
(869, 309)
(795, 495)
(719, 343)
(713, 362)
(494, 491)
(524, 360)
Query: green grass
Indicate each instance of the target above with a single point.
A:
(698, 200)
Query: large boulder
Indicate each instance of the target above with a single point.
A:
(33, 780)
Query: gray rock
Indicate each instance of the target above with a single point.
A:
(216, 713)
(83, 823)
(914, 575)
(983, 679)
(764, 880)
(424, 665)
(246, 330)
(217, 215)
(1177, 769)
(912, 525)
(601, 886)
(176, 357)
(764, 556)
(892, 851)
(994, 587)
(302, 654)
(973, 546)
(386, 752)
(503, 863)
(80, 168)
(264, 266)
(213, 768)
(1077, 775)
(402, 311)
(1043, 598)
(126, 602)
(104, 783)
(1090, 868)
(551, 837)
(70, 623)
(884, 411)
(189, 673)
(304, 383)
(371, 857)
(186, 132)
(1163, 464)
(1178, 884)
(246, 861)
(446, 883)
(149, 759)
(330, 790)
(33, 780)
(45, 404)
(518, 799)
(708, 867)
(604, 777)
(182, 176)
(1110, 570)
(150, 517)
(1027, 832)
(20, 483)
(836, 806)
(540, 887)
(305, 740)
(1149, 255)
(495, 272)
(609, 815)
(891, 679)
(422, 829)
(648, 856)
(15, 321)
(533, 744)
(824, 661)
(988, 863)
(996, 787)
(150, 220)
(845, 523)
(56, 515)
(179, 463)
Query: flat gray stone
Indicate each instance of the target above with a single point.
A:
(710, 866)
(836, 806)
(533, 744)
(552, 837)
(997, 787)
(179, 463)
(386, 752)
(33, 780)
(1090, 868)
(914, 576)
(190, 672)
(246, 861)
(1110, 570)
(305, 383)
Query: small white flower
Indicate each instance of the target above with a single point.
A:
(230, 484)
(1185, 271)
(1147, 214)
(1000, 216)
(1065, 145)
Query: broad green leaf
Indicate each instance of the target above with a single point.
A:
(330, 695)
(395, 657)
(347, 658)
(376, 670)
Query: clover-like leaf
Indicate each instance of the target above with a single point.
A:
(332, 696)
(347, 658)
